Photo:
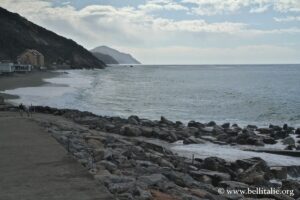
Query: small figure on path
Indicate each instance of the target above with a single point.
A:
(23, 108)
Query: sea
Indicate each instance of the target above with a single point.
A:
(242, 94)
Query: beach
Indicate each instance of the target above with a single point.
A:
(17, 80)
(139, 158)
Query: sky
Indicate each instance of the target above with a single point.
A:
(176, 31)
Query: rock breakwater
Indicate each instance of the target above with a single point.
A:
(121, 155)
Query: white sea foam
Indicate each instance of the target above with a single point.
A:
(243, 95)
(232, 153)
(58, 92)
(151, 92)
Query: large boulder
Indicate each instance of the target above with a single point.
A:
(196, 124)
(130, 130)
(288, 141)
(181, 179)
(225, 125)
(256, 171)
(193, 140)
(280, 134)
(147, 131)
(151, 180)
(165, 121)
(213, 163)
(214, 175)
(265, 130)
(133, 120)
(269, 140)
(279, 172)
(211, 123)
(233, 185)
(297, 131)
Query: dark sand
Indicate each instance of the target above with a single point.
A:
(16, 80)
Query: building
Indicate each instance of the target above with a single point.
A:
(7, 67)
(23, 68)
(31, 57)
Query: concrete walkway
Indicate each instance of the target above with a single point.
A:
(33, 166)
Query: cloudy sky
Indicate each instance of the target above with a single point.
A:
(176, 31)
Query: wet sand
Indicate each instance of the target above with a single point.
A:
(8, 82)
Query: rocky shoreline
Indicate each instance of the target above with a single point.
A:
(121, 155)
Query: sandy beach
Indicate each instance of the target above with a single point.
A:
(17, 80)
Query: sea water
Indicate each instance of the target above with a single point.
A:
(244, 94)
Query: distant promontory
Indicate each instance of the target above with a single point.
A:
(113, 56)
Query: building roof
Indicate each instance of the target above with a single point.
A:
(33, 51)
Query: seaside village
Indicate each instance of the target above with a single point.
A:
(27, 61)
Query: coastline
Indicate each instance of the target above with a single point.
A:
(133, 157)
(130, 156)
(18, 80)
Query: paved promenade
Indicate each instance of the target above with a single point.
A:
(33, 166)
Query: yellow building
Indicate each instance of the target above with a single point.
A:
(31, 57)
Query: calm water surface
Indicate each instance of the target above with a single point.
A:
(259, 94)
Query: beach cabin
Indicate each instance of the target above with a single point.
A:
(23, 68)
(7, 68)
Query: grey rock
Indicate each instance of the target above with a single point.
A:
(181, 179)
(111, 167)
(193, 140)
(196, 124)
(226, 125)
(151, 180)
(215, 164)
(297, 131)
(164, 163)
(288, 141)
(265, 130)
(146, 122)
(133, 120)
(279, 172)
(207, 129)
(164, 120)
(143, 194)
(130, 130)
(211, 123)
(120, 187)
(145, 163)
(233, 185)
(147, 131)
(255, 175)
(253, 127)
(214, 175)
(269, 140)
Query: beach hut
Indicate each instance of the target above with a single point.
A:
(7, 68)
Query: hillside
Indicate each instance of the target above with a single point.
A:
(121, 58)
(19, 34)
(105, 58)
